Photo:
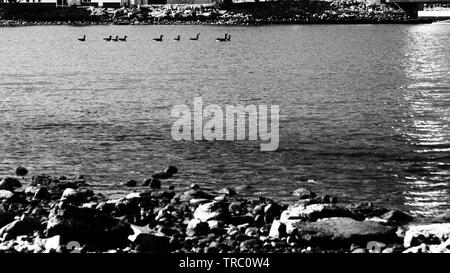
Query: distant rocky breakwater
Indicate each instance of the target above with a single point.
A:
(301, 12)
(43, 214)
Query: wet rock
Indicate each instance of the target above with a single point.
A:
(24, 226)
(196, 227)
(78, 196)
(325, 199)
(258, 209)
(53, 244)
(5, 218)
(215, 224)
(133, 195)
(41, 180)
(433, 234)
(41, 193)
(313, 212)
(194, 186)
(210, 211)
(147, 182)
(363, 210)
(171, 170)
(252, 232)
(422, 248)
(162, 175)
(239, 219)
(340, 230)
(149, 243)
(302, 193)
(30, 190)
(10, 184)
(272, 210)
(155, 184)
(250, 245)
(388, 250)
(277, 230)
(163, 194)
(5, 194)
(227, 191)
(197, 201)
(359, 250)
(89, 226)
(193, 194)
(235, 207)
(396, 217)
(130, 183)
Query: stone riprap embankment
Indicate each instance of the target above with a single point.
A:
(301, 12)
(63, 214)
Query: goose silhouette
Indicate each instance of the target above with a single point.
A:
(196, 38)
(124, 39)
(160, 39)
(108, 39)
(177, 38)
(115, 39)
(222, 39)
(82, 39)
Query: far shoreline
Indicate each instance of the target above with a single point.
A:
(246, 14)
(24, 23)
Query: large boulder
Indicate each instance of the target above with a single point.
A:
(25, 226)
(432, 234)
(150, 243)
(77, 195)
(396, 217)
(302, 193)
(87, 226)
(10, 184)
(193, 193)
(5, 194)
(277, 229)
(196, 227)
(210, 211)
(340, 230)
(5, 218)
(313, 212)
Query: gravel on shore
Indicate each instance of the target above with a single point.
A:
(43, 214)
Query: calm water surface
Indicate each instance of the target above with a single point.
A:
(365, 110)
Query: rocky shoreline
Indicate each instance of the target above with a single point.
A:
(304, 12)
(45, 214)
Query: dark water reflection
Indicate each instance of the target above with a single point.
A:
(364, 109)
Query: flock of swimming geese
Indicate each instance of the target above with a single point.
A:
(227, 38)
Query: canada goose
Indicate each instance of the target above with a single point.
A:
(82, 39)
(115, 39)
(222, 39)
(124, 39)
(196, 38)
(178, 38)
(108, 39)
(158, 39)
